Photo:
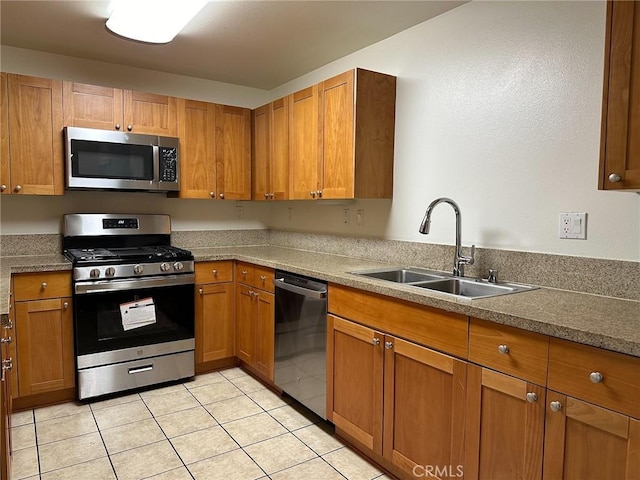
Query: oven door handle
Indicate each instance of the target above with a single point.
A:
(101, 286)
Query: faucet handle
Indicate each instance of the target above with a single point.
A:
(470, 259)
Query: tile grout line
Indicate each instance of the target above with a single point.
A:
(113, 468)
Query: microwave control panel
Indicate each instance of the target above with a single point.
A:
(168, 164)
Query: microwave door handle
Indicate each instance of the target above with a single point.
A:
(156, 164)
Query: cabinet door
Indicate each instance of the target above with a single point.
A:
(279, 158)
(92, 106)
(587, 442)
(151, 114)
(196, 128)
(215, 330)
(337, 136)
(620, 143)
(246, 318)
(45, 345)
(355, 366)
(261, 154)
(233, 152)
(6, 373)
(305, 162)
(35, 135)
(5, 171)
(424, 408)
(265, 334)
(504, 426)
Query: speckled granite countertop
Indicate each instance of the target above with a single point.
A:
(591, 319)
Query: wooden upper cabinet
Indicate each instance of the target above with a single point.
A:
(342, 137)
(92, 106)
(107, 108)
(620, 141)
(196, 129)
(35, 136)
(270, 151)
(233, 152)
(305, 168)
(5, 170)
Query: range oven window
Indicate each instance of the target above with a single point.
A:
(111, 160)
(99, 321)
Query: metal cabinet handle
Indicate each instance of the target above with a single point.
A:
(65, 305)
(555, 406)
(200, 291)
(129, 127)
(221, 196)
(43, 285)
(3, 187)
(388, 345)
(214, 272)
(7, 364)
(266, 195)
(375, 341)
(18, 188)
(9, 325)
(614, 177)
(503, 349)
(263, 278)
(244, 273)
(5, 340)
(313, 194)
(532, 397)
(212, 194)
(319, 193)
(596, 377)
(117, 126)
(271, 196)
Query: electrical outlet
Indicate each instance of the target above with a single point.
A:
(347, 215)
(573, 225)
(239, 212)
(360, 217)
(290, 213)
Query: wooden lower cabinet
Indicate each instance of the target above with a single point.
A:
(504, 431)
(44, 331)
(255, 329)
(584, 441)
(399, 399)
(214, 323)
(6, 373)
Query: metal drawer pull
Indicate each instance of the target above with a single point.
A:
(65, 305)
(388, 345)
(145, 368)
(5, 340)
(555, 406)
(9, 325)
(7, 364)
(212, 194)
(263, 278)
(375, 341)
(200, 291)
(215, 273)
(532, 397)
(243, 272)
(43, 285)
(503, 349)
(596, 377)
(614, 177)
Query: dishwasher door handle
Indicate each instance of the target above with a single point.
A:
(280, 283)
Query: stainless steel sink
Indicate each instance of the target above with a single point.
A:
(402, 274)
(443, 282)
(472, 288)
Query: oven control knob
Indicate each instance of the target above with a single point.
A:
(178, 266)
(94, 273)
(138, 269)
(165, 266)
(110, 272)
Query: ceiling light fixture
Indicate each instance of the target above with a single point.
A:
(152, 21)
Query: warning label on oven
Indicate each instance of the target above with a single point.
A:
(138, 314)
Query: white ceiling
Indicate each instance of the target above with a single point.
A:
(261, 44)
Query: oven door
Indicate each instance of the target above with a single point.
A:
(121, 320)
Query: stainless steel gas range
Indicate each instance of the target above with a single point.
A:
(133, 302)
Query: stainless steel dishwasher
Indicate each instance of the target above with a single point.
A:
(301, 339)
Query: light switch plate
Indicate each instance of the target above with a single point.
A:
(573, 225)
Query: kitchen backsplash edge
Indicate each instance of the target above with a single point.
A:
(613, 278)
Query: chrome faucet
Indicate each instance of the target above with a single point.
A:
(459, 260)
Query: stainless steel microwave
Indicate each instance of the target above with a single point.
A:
(104, 159)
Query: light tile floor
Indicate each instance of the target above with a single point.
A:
(223, 425)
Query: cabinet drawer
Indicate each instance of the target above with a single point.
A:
(573, 370)
(509, 350)
(255, 276)
(37, 286)
(214, 272)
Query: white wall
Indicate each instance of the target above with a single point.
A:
(498, 107)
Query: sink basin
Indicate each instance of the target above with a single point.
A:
(443, 282)
(472, 288)
(401, 274)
